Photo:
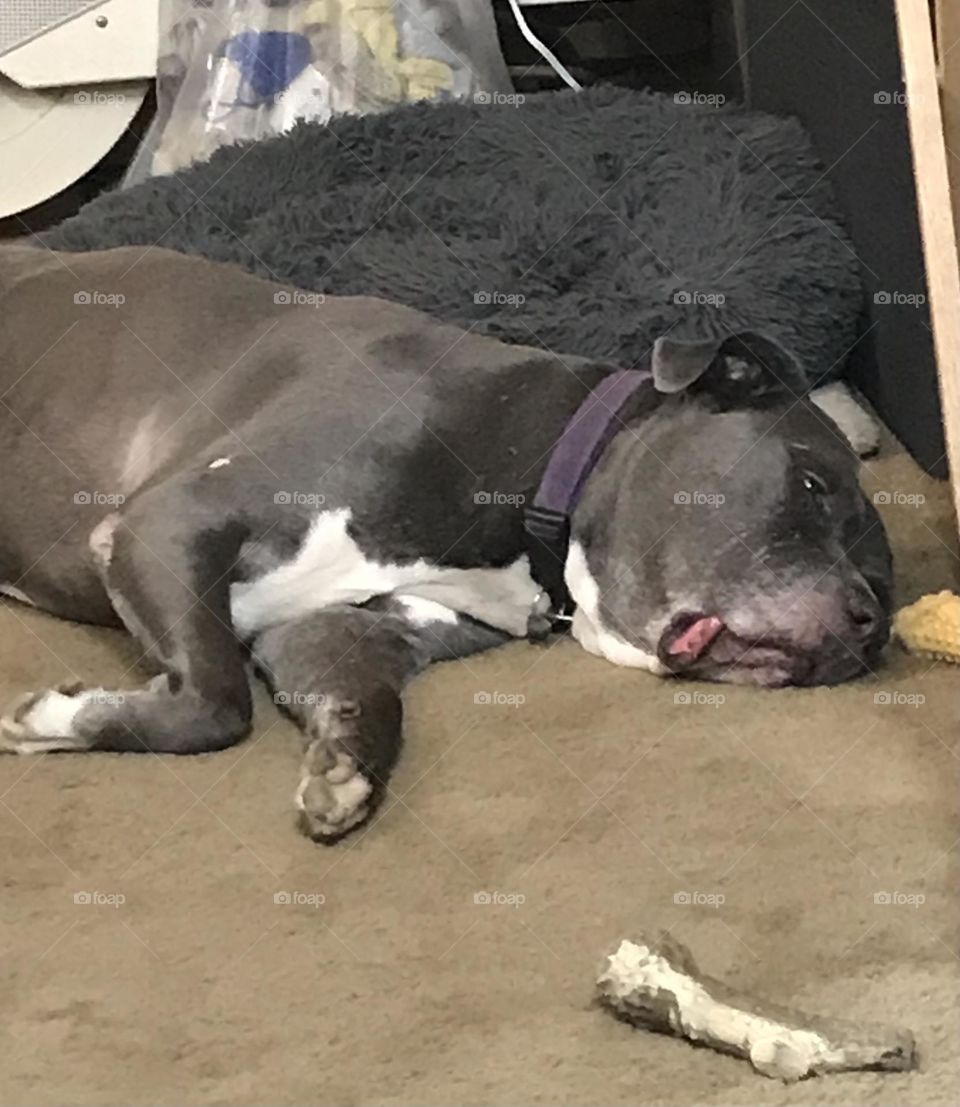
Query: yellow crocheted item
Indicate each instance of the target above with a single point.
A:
(931, 626)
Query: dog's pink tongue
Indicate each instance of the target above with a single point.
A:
(697, 637)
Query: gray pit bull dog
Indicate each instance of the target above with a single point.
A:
(333, 492)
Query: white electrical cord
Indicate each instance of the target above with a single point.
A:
(542, 49)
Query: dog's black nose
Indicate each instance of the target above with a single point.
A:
(866, 612)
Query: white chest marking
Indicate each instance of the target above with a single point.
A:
(143, 454)
(587, 627)
(330, 568)
(421, 612)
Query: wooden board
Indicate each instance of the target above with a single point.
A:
(837, 67)
(932, 177)
(948, 58)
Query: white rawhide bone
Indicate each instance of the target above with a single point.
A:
(657, 986)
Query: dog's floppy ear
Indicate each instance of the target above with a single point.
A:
(676, 365)
(739, 369)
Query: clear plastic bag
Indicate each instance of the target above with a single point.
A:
(230, 70)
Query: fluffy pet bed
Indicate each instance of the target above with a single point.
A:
(595, 220)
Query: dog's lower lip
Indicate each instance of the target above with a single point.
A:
(761, 661)
(749, 653)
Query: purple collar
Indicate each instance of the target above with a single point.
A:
(585, 437)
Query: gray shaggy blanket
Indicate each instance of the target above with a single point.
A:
(588, 222)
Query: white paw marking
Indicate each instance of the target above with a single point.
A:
(334, 800)
(14, 593)
(15, 738)
(47, 725)
(53, 714)
(858, 426)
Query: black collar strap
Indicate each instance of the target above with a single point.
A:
(547, 521)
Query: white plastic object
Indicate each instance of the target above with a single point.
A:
(73, 75)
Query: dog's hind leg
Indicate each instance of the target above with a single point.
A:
(166, 562)
(339, 674)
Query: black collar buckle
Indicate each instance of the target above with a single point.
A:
(548, 539)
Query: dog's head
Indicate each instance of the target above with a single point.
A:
(724, 535)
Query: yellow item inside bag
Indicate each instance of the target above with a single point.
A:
(931, 626)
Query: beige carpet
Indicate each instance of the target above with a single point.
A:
(597, 800)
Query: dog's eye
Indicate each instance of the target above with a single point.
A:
(815, 485)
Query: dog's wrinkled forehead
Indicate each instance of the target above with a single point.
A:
(753, 452)
(734, 453)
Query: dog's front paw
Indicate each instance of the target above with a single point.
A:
(334, 793)
(42, 722)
